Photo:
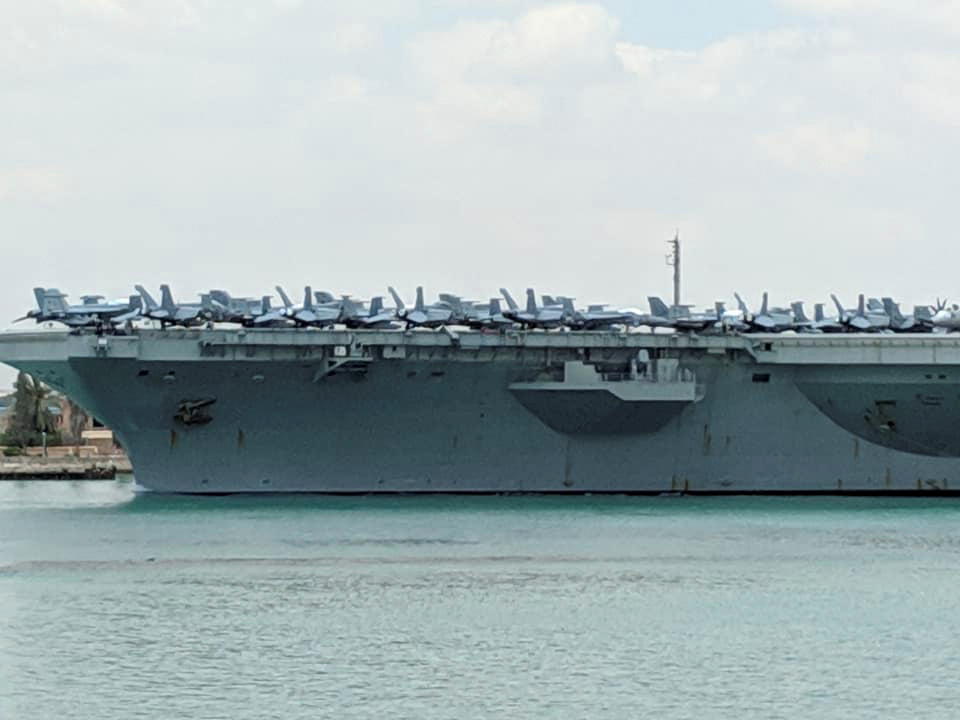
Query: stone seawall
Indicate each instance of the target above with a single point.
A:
(26, 467)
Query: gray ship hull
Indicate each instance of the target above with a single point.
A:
(354, 412)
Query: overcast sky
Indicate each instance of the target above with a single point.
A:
(800, 146)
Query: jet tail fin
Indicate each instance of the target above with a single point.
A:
(798, 312)
(841, 313)
(419, 304)
(38, 295)
(531, 301)
(396, 298)
(511, 303)
(861, 306)
(892, 309)
(265, 304)
(308, 298)
(818, 314)
(721, 308)
(658, 308)
(376, 305)
(166, 299)
(742, 306)
(53, 302)
(495, 308)
(454, 301)
(284, 297)
(548, 300)
(148, 300)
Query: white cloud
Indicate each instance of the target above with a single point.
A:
(500, 72)
(727, 70)
(934, 87)
(31, 182)
(938, 15)
(547, 39)
(820, 147)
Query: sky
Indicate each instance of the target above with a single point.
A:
(798, 146)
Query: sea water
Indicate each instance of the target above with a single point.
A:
(123, 605)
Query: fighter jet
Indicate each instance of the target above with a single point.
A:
(729, 320)
(860, 320)
(243, 311)
(595, 317)
(422, 315)
(768, 319)
(924, 315)
(898, 321)
(477, 316)
(677, 316)
(270, 316)
(819, 324)
(355, 315)
(309, 314)
(169, 312)
(462, 311)
(533, 317)
(52, 305)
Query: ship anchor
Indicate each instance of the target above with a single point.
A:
(194, 412)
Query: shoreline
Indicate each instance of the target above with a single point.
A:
(27, 467)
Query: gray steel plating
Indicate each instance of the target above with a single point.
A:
(217, 411)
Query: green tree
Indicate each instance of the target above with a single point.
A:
(31, 417)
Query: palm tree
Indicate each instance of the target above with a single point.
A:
(31, 416)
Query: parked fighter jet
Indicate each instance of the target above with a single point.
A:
(270, 316)
(819, 324)
(243, 311)
(729, 320)
(532, 316)
(52, 305)
(860, 320)
(898, 321)
(309, 314)
(462, 311)
(677, 316)
(422, 315)
(355, 315)
(768, 319)
(169, 312)
(477, 316)
(494, 317)
(595, 317)
(924, 315)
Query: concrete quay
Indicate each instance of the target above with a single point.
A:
(32, 467)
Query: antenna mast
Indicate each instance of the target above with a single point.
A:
(673, 259)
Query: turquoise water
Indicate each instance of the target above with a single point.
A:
(121, 606)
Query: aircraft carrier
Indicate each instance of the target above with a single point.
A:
(338, 410)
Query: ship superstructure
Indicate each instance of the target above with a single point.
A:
(338, 410)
